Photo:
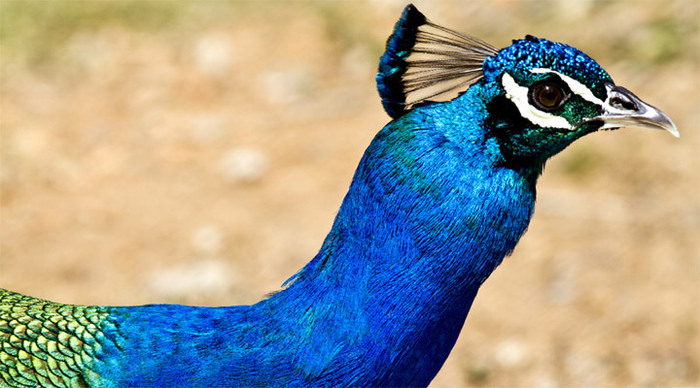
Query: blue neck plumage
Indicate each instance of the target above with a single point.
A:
(418, 191)
(410, 245)
(426, 220)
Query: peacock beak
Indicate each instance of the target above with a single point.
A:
(623, 109)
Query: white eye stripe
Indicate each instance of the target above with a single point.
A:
(575, 86)
(519, 96)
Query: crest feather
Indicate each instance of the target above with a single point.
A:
(423, 61)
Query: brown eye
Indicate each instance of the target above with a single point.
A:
(547, 96)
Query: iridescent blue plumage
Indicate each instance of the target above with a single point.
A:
(442, 194)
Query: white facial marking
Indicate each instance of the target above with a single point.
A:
(518, 94)
(575, 86)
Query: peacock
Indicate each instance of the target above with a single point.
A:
(441, 195)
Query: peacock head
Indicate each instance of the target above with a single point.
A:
(549, 94)
(538, 95)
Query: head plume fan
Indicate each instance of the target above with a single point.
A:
(423, 61)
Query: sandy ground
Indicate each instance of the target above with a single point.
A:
(158, 152)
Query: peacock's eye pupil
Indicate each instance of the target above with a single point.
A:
(547, 96)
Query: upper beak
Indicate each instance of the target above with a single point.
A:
(623, 109)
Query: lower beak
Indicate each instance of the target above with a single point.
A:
(623, 109)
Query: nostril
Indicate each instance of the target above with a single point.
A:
(622, 103)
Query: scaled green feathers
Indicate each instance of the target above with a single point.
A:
(45, 343)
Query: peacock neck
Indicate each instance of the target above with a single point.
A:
(426, 220)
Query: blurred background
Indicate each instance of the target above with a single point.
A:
(196, 153)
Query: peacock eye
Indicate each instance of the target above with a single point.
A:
(547, 96)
